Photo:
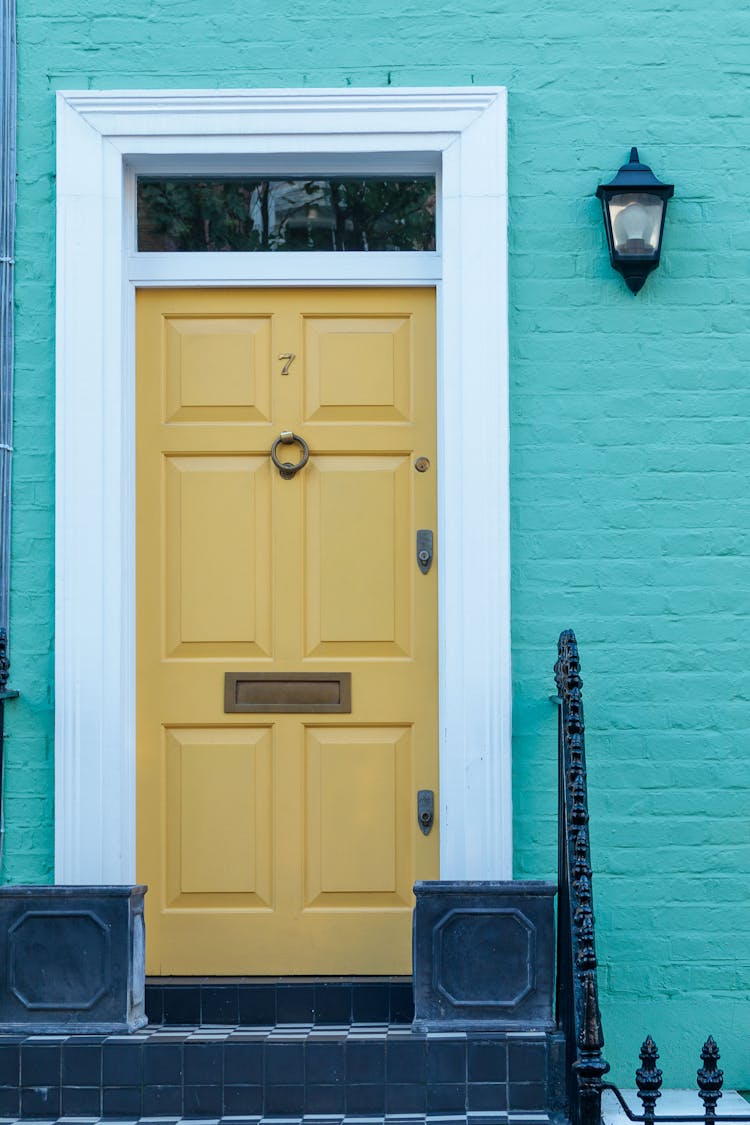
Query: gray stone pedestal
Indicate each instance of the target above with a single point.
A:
(72, 959)
(484, 955)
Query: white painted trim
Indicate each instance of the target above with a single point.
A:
(102, 136)
(285, 269)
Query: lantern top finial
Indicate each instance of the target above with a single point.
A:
(636, 175)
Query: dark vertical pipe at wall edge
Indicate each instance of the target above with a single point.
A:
(7, 238)
(7, 241)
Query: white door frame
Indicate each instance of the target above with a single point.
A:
(102, 137)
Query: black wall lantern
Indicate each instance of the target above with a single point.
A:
(634, 206)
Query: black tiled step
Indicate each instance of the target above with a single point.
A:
(316, 1119)
(278, 1000)
(356, 1070)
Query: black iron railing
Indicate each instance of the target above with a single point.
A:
(577, 987)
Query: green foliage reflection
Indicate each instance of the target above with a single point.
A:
(186, 214)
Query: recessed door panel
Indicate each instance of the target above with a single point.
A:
(217, 555)
(218, 817)
(357, 368)
(356, 813)
(286, 636)
(357, 564)
(217, 369)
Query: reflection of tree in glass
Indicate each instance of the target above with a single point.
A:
(378, 215)
(238, 214)
(195, 215)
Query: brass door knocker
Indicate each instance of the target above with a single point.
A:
(286, 468)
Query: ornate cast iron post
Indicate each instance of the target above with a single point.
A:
(578, 1002)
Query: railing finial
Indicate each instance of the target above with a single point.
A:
(710, 1078)
(648, 1078)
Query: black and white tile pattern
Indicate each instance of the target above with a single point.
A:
(331, 1051)
(318, 1119)
(283, 1070)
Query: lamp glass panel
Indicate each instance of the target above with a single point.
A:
(635, 219)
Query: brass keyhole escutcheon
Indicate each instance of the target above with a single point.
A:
(422, 464)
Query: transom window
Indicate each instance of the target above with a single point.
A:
(238, 213)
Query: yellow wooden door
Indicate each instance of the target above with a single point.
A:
(274, 841)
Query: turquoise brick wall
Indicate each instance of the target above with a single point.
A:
(630, 452)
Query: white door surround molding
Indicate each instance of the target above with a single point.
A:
(102, 137)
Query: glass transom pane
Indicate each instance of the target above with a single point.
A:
(233, 213)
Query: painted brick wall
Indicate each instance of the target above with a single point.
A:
(630, 453)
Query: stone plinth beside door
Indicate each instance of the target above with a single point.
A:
(484, 955)
(72, 958)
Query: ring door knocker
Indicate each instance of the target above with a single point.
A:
(286, 468)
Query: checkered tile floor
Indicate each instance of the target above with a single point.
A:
(174, 1033)
(286, 1074)
(309, 1119)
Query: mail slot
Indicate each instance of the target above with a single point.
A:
(294, 692)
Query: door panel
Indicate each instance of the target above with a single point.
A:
(357, 790)
(218, 564)
(358, 587)
(278, 842)
(218, 368)
(219, 800)
(357, 369)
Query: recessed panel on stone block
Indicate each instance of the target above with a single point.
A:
(73, 959)
(483, 955)
(58, 959)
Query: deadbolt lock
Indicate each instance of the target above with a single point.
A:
(424, 550)
(425, 810)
